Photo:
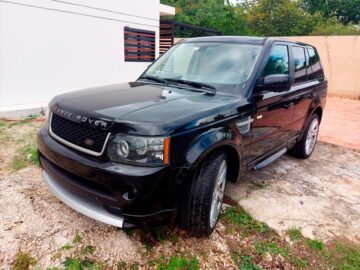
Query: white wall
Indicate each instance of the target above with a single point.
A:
(45, 52)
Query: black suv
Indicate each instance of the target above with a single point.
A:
(163, 147)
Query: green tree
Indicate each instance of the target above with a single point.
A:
(216, 14)
(278, 17)
(332, 26)
(346, 11)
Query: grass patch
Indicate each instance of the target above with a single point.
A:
(25, 155)
(317, 245)
(300, 263)
(178, 263)
(23, 261)
(80, 258)
(244, 262)
(257, 185)
(294, 234)
(273, 248)
(4, 134)
(166, 234)
(243, 221)
(345, 256)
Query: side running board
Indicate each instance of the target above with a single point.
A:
(270, 159)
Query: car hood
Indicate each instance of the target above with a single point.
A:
(146, 109)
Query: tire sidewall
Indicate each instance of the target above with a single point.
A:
(196, 207)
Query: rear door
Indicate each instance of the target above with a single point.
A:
(307, 76)
(271, 125)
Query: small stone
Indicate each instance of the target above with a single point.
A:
(268, 257)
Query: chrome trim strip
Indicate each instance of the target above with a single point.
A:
(81, 204)
(76, 146)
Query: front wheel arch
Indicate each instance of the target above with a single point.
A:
(217, 139)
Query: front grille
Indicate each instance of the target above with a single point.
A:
(78, 133)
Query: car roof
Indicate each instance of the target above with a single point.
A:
(241, 39)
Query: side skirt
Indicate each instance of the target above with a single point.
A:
(270, 159)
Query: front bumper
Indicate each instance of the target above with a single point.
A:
(81, 204)
(99, 188)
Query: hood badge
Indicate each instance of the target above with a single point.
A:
(81, 119)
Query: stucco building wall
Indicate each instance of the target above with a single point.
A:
(52, 47)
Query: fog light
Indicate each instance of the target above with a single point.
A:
(129, 193)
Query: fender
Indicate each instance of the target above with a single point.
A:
(207, 142)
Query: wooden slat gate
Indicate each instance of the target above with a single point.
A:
(168, 29)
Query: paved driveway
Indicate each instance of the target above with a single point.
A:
(321, 195)
(341, 122)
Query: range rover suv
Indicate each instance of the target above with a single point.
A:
(164, 146)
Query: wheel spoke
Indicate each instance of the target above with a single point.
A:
(218, 193)
(311, 136)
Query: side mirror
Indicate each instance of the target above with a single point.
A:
(275, 83)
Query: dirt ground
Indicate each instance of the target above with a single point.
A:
(320, 195)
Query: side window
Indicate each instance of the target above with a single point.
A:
(278, 62)
(299, 63)
(315, 66)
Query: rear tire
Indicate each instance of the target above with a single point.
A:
(201, 206)
(305, 147)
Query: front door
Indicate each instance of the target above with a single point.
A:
(271, 125)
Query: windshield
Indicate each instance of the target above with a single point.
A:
(225, 66)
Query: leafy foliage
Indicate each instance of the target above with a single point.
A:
(271, 17)
(332, 26)
(346, 11)
(214, 14)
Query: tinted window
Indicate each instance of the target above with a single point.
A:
(314, 64)
(278, 62)
(299, 64)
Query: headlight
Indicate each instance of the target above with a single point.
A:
(136, 149)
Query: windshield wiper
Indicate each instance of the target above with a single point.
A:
(203, 86)
(153, 78)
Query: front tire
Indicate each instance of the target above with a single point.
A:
(201, 206)
(304, 148)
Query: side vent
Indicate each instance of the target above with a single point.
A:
(244, 124)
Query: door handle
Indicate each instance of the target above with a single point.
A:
(288, 105)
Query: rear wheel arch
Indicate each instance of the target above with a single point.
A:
(319, 112)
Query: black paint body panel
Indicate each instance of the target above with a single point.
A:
(249, 127)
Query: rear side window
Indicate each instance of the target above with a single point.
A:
(299, 64)
(315, 70)
(278, 62)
